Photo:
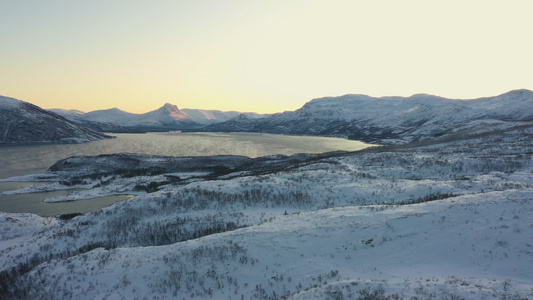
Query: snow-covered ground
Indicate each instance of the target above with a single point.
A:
(446, 219)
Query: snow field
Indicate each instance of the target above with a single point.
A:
(405, 250)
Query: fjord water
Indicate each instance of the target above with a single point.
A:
(16, 160)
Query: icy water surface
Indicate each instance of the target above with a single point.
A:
(18, 160)
(30, 159)
(33, 203)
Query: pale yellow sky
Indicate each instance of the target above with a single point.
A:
(263, 56)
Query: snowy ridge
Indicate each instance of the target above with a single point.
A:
(22, 122)
(206, 117)
(72, 114)
(168, 117)
(448, 218)
(108, 115)
(388, 120)
(9, 103)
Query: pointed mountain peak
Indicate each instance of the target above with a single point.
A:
(169, 105)
(168, 114)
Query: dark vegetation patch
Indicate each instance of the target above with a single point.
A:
(151, 187)
(428, 198)
(66, 217)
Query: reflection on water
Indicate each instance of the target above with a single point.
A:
(16, 160)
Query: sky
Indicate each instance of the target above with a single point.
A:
(259, 56)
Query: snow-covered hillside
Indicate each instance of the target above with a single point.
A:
(389, 120)
(448, 218)
(22, 122)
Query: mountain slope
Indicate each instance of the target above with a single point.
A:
(22, 122)
(72, 114)
(388, 120)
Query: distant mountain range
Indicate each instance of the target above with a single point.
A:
(22, 122)
(388, 120)
(166, 118)
(385, 120)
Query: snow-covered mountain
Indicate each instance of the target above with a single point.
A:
(446, 218)
(389, 120)
(168, 117)
(207, 117)
(385, 120)
(22, 122)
